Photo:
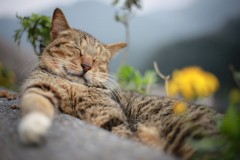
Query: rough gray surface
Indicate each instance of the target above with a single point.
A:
(68, 138)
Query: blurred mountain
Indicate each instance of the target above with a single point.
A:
(149, 32)
(213, 53)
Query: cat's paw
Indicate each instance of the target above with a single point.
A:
(33, 128)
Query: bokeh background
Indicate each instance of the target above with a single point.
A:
(175, 33)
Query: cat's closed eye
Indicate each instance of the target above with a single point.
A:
(78, 48)
(99, 60)
(59, 44)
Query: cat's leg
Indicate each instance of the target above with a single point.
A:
(107, 117)
(155, 123)
(37, 107)
(124, 131)
(142, 112)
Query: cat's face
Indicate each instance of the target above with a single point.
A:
(76, 55)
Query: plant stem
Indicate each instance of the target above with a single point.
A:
(126, 51)
(232, 69)
(165, 78)
(149, 85)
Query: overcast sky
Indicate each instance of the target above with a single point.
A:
(8, 8)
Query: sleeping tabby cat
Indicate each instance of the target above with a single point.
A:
(71, 78)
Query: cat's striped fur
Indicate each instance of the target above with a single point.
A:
(71, 78)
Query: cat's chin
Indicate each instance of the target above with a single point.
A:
(84, 81)
(78, 80)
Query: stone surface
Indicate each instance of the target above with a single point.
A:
(68, 138)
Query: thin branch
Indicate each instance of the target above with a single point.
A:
(232, 69)
(149, 85)
(126, 51)
(139, 88)
(165, 78)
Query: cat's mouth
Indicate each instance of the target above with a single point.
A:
(81, 75)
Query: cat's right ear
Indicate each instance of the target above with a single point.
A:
(115, 48)
(59, 23)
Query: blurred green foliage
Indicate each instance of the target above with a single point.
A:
(7, 77)
(227, 146)
(128, 4)
(134, 81)
(238, 75)
(38, 28)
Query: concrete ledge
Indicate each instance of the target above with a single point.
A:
(68, 138)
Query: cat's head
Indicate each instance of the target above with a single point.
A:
(76, 55)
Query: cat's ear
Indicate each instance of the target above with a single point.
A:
(115, 48)
(59, 23)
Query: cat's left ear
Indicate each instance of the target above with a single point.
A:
(115, 48)
(59, 23)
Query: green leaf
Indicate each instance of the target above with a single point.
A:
(231, 123)
(115, 2)
(237, 75)
(148, 75)
(37, 28)
(137, 78)
(133, 79)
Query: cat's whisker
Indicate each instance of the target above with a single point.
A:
(103, 75)
(108, 88)
(107, 74)
(55, 64)
(116, 87)
(32, 58)
(56, 59)
(113, 81)
(112, 89)
(117, 79)
(116, 92)
(60, 73)
(99, 84)
(112, 92)
(29, 68)
(91, 78)
(59, 58)
(39, 42)
(66, 62)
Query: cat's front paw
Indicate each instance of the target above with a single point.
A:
(33, 128)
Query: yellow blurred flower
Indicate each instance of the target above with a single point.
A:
(235, 96)
(7, 77)
(179, 107)
(4, 82)
(193, 82)
(12, 77)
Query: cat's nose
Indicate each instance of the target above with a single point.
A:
(86, 63)
(86, 67)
